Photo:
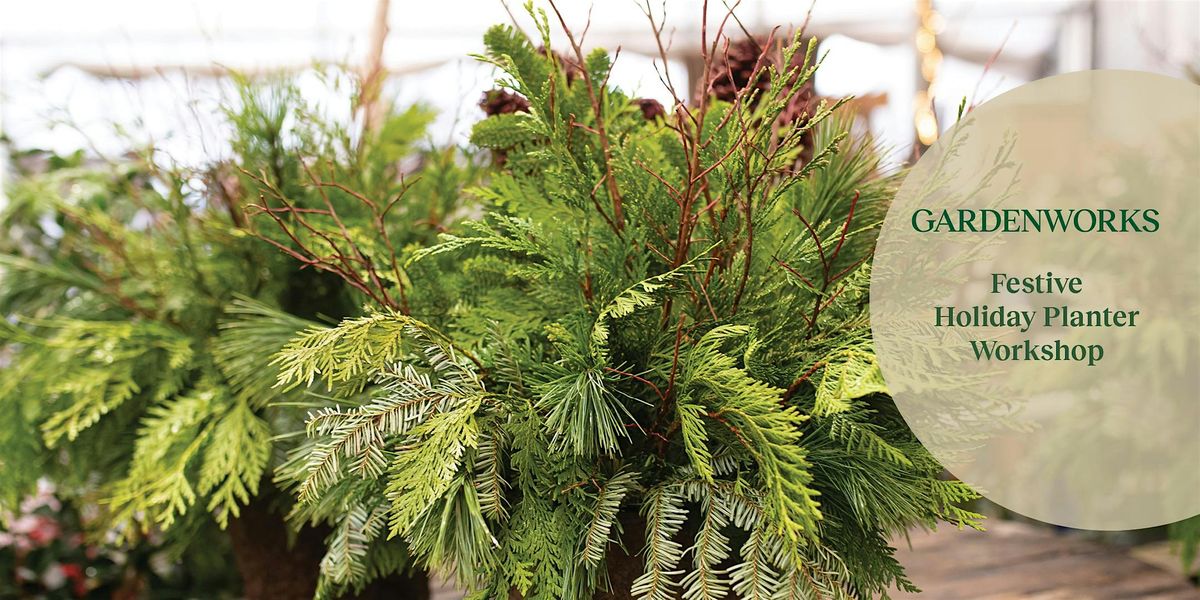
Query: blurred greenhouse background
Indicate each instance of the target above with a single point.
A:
(70, 70)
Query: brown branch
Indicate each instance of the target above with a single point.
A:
(845, 228)
(796, 273)
(732, 428)
(795, 386)
(816, 238)
(380, 227)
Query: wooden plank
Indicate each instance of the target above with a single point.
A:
(1015, 561)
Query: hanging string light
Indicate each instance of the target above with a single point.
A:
(929, 24)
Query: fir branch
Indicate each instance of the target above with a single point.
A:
(665, 515)
(604, 517)
(490, 482)
(707, 581)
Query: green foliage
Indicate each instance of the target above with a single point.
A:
(347, 354)
(1186, 535)
(142, 302)
(665, 514)
(504, 131)
(656, 325)
(235, 461)
(115, 348)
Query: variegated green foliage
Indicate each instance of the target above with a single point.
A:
(121, 366)
(196, 439)
(664, 362)
(142, 302)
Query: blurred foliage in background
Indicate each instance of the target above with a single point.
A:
(46, 552)
(142, 304)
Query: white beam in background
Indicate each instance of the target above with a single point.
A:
(148, 33)
(180, 47)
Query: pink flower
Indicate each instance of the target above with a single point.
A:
(43, 497)
(42, 531)
(24, 524)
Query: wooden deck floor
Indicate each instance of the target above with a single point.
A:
(1014, 561)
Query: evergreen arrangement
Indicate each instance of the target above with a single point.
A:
(651, 373)
(142, 301)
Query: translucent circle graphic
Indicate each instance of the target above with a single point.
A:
(1035, 300)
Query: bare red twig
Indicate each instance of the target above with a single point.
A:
(598, 114)
(344, 257)
(635, 377)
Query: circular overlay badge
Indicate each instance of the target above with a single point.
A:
(1035, 300)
